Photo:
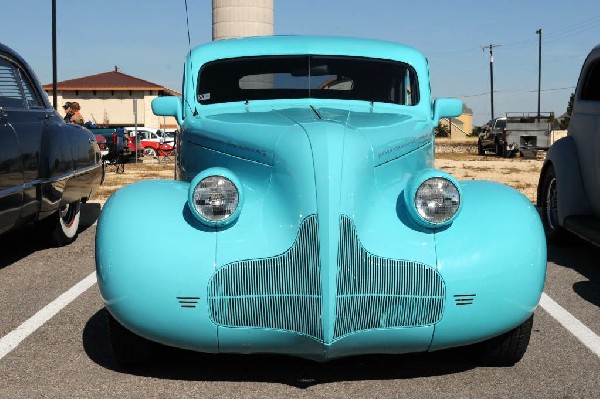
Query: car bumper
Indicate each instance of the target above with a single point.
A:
(292, 300)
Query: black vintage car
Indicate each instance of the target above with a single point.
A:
(47, 167)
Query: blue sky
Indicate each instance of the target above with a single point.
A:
(148, 39)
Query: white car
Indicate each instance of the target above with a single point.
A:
(569, 182)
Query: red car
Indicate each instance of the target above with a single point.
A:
(154, 148)
(155, 142)
(131, 145)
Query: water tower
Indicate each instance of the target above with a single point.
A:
(239, 18)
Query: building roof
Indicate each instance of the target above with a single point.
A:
(113, 80)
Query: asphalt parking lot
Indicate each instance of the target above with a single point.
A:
(68, 355)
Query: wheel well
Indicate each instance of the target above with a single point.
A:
(545, 167)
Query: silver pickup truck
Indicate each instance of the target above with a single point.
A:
(569, 186)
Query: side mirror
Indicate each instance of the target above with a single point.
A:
(446, 108)
(168, 106)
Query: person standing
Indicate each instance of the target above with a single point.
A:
(68, 112)
(76, 116)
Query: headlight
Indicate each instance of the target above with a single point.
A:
(433, 198)
(215, 197)
(437, 200)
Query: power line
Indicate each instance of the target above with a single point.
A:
(515, 91)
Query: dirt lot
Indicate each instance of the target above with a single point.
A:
(522, 174)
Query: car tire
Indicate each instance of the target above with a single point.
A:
(149, 152)
(507, 349)
(499, 149)
(62, 226)
(129, 349)
(549, 207)
(480, 149)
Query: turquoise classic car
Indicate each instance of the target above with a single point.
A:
(308, 218)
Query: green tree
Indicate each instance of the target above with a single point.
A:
(442, 130)
(564, 122)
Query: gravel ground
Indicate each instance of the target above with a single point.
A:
(521, 174)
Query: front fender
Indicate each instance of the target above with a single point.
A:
(493, 261)
(153, 261)
(572, 200)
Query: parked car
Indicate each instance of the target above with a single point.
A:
(308, 218)
(102, 144)
(134, 145)
(569, 185)
(153, 141)
(47, 167)
(516, 132)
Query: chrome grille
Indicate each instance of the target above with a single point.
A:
(283, 292)
(375, 292)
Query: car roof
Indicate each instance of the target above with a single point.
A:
(141, 128)
(316, 45)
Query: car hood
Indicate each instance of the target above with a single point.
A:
(260, 136)
(323, 163)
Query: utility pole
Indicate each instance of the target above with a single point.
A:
(539, 32)
(491, 48)
(54, 74)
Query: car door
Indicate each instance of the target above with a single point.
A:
(29, 119)
(11, 163)
(11, 170)
(585, 129)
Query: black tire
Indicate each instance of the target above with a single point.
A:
(61, 228)
(149, 152)
(480, 150)
(549, 207)
(129, 349)
(507, 349)
(499, 149)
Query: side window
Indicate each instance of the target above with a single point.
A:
(16, 90)
(11, 93)
(591, 85)
(33, 101)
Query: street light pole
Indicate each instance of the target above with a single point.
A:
(54, 74)
(539, 32)
(491, 48)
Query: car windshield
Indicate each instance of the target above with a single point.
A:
(281, 77)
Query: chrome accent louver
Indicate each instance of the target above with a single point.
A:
(188, 302)
(375, 292)
(464, 299)
(283, 292)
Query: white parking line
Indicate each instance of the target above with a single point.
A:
(11, 340)
(573, 325)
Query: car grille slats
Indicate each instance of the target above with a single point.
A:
(375, 292)
(284, 292)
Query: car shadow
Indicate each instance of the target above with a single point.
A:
(584, 258)
(178, 364)
(27, 239)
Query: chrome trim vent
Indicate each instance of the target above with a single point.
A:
(464, 299)
(375, 292)
(188, 302)
(283, 292)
